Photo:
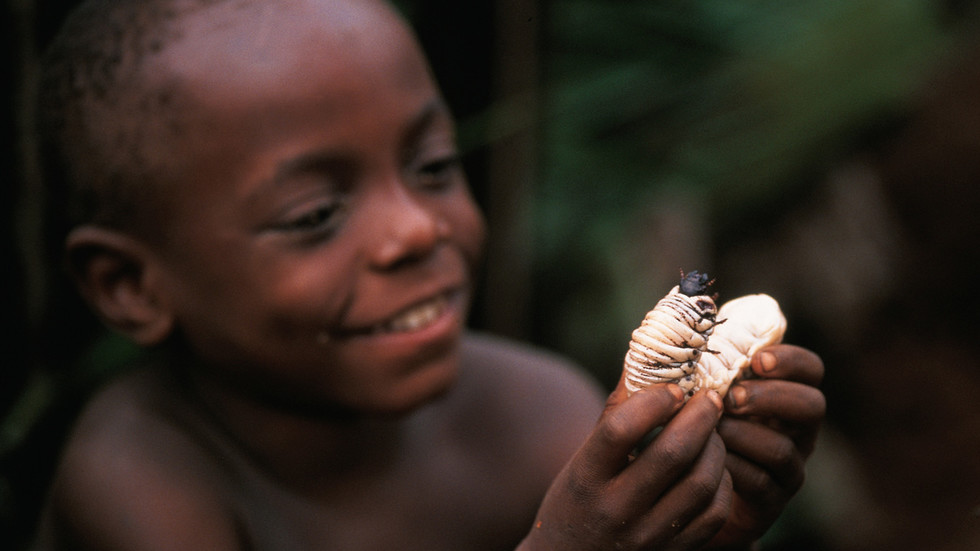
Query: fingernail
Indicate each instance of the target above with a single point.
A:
(736, 396)
(767, 361)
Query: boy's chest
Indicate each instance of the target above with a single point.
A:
(448, 501)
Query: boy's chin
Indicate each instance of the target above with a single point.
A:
(391, 398)
(427, 389)
(408, 407)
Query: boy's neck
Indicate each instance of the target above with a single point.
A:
(305, 451)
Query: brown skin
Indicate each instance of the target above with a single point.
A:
(602, 500)
(321, 199)
(674, 494)
(770, 429)
(150, 468)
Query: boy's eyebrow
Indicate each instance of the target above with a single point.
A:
(428, 115)
(309, 162)
(320, 160)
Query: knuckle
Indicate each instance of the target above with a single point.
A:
(581, 487)
(614, 428)
(754, 481)
(702, 487)
(783, 452)
(672, 450)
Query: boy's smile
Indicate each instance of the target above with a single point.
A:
(323, 237)
(410, 319)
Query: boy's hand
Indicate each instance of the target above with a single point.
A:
(675, 494)
(769, 429)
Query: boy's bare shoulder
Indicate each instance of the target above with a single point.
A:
(533, 371)
(542, 400)
(131, 474)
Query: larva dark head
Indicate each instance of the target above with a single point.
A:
(694, 283)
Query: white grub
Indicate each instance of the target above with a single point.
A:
(673, 337)
(680, 342)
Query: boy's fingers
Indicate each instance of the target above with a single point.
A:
(784, 400)
(678, 445)
(624, 424)
(691, 493)
(704, 527)
(786, 361)
(701, 494)
(773, 454)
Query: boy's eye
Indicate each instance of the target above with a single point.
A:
(320, 218)
(439, 174)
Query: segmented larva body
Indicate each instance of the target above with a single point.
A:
(672, 343)
(674, 335)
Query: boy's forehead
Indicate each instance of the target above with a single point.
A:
(336, 15)
(269, 38)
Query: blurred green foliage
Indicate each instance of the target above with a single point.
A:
(728, 106)
(731, 97)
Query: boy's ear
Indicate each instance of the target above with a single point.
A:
(121, 280)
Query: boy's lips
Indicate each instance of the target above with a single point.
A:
(415, 317)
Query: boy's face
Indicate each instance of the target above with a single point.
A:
(323, 240)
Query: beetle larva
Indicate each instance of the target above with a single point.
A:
(672, 343)
(674, 335)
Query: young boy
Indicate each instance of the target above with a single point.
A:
(269, 195)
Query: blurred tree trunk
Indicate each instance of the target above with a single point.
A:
(22, 281)
(23, 278)
(512, 166)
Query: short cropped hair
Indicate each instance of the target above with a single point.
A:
(103, 130)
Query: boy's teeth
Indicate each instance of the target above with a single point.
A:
(419, 316)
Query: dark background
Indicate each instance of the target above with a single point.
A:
(825, 152)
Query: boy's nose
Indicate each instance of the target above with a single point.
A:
(408, 230)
